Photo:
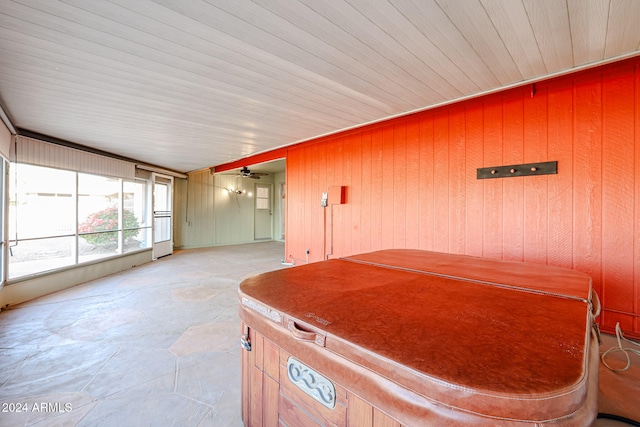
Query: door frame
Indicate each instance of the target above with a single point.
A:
(162, 247)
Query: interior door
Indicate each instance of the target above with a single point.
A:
(263, 224)
(162, 215)
(283, 210)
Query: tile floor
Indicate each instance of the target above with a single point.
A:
(157, 345)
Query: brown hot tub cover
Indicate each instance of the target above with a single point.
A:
(450, 335)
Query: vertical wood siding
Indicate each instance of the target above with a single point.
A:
(40, 153)
(194, 218)
(411, 183)
(5, 141)
(207, 214)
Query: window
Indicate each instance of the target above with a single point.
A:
(162, 215)
(3, 249)
(137, 226)
(61, 218)
(262, 198)
(41, 219)
(99, 221)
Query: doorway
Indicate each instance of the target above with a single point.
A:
(283, 210)
(263, 224)
(162, 215)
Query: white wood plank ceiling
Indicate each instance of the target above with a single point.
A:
(191, 84)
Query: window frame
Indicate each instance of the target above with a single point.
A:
(12, 239)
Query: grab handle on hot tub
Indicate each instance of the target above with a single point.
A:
(594, 303)
(302, 335)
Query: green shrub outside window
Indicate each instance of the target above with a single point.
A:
(96, 228)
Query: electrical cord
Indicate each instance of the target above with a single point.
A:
(626, 351)
(620, 349)
(629, 421)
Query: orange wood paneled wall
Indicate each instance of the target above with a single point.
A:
(411, 183)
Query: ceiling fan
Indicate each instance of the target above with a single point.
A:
(246, 173)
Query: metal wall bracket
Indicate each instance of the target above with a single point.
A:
(526, 169)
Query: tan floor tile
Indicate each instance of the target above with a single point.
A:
(149, 410)
(193, 294)
(208, 337)
(94, 323)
